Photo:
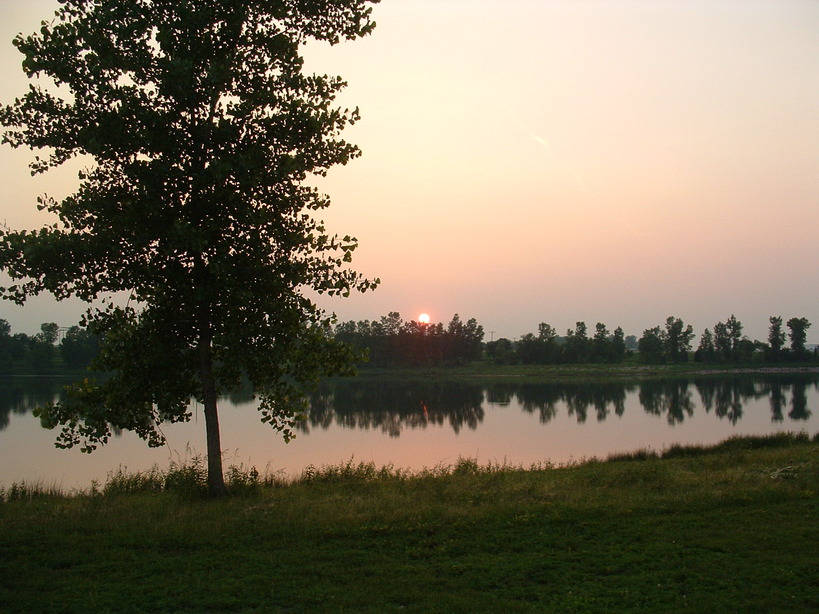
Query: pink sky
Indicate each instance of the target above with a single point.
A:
(530, 162)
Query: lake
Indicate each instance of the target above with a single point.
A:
(415, 424)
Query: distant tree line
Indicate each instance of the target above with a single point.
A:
(547, 347)
(727, 343)
(45, 352)
(391, 342)
(669, 343)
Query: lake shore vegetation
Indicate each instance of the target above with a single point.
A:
(721, 528)
(391, 342)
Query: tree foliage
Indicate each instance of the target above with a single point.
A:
(202, 129)
(391, 342)
(45, 352)
(776, 338)
(547, 348)
(798, 334)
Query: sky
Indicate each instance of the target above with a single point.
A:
(528, 161)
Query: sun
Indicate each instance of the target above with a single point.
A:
(423, 318)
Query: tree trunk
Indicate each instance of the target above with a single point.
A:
(216, 478)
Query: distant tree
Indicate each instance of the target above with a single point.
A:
(545, 332)
(463, 341)
(677, 339)
(776, 339)
(79, 348)
(706, 351)
(748, 349)
(618, 344)
(734, 328)
(203, 131)
(722, 342)
(528, 350)
(631, 343)
(501, 351)
(49, 332)
(391, 323)
(576, 348)
(6, 347)
(601, 347)
(42, 352)
(652, 346)
(391, 342)
(549, 346)
(798, 334)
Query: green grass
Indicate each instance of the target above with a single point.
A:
(732, 528)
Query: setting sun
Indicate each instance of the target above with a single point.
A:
(424, 318)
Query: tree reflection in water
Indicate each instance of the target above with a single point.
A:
(393, 406)
(20, 395)
(670, 398)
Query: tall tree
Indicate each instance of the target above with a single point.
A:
(776, 338)
(798, 335)
(706, 352)
(618, 344)
(79, 348)
(652, 345)
(722, 341)
(677, 339)
(734, 328)
(576, 348)
(202, 129)
(601, 347)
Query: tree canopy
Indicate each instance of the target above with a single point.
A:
(202, 129)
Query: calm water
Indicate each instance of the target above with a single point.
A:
(416, 424)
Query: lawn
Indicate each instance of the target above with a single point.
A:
(726, 529)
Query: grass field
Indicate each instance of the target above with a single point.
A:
(727, 529)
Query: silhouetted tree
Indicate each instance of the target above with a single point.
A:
(734, 329)
(202, 129)
(722, 342)
(798, 334)
(652, 346)
(618, 345)
(600, 344)
(677, 339)
(706, 351)
(501, 351)
(391, 342)
(79, 348)
(41, 348)
(776, 339)
(577, 347)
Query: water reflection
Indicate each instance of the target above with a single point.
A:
(20, 395)
(726, 396)
(393, 406)
(672, 399)
(417, 404)
(579, 398)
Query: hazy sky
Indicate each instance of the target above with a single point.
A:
(533, 161)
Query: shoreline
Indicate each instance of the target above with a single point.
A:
(578, 371)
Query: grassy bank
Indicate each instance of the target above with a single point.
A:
(728, 529)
